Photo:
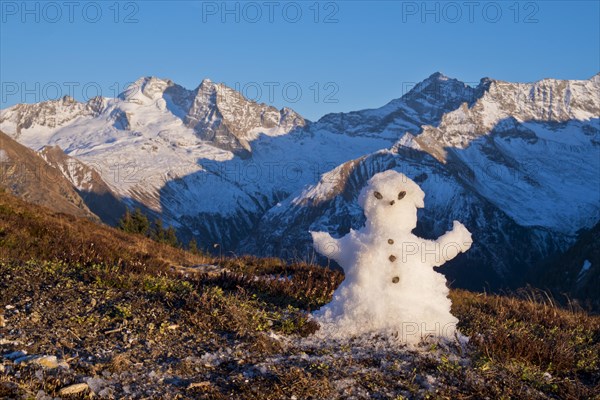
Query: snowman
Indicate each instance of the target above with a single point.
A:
(390, 285)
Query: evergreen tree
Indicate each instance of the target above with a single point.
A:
(170, 237)
(158, 232)
(125, 223)
(193, 247)
(140, 223)
(135, 222)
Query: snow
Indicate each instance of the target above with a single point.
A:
(553, 178)
(390, 285)
(584, 269)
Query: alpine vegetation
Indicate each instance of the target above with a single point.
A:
(390, 285)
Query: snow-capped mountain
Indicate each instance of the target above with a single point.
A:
(424, 104)
(154, 132)
(518, 163)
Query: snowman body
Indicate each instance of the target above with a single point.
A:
(390, 285)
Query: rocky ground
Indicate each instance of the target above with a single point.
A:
(94, 332)
(90, 312)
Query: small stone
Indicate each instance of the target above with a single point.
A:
(395, 279)
(9, 307)
(204, 384)
(41, 395)
(35, 317)
(96, 384)
(390, 241)
(392, 258)
(73, 389)
(15, 354)
(46, 361)
(43, 361)
(2, 321)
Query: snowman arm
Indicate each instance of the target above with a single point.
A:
(326, 245)
(450, 244)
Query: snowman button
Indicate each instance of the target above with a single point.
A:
(390, 241)
(395, 279)
(392, 258)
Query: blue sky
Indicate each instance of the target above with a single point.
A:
(314, 57)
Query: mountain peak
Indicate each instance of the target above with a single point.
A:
(437, 76)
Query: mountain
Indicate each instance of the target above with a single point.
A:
(88, 183)
(575, 273)
(520, 166)
(424, 104)
(24, 173)
(518, 163)
(154, 132)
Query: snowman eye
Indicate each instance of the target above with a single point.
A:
(401, 195)
(378, 195)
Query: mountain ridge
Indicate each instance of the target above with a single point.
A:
(182, 158)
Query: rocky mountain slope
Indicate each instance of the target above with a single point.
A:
(576, 273)
(521, 165)
(25, 174)
(518, 162)
(88, 183)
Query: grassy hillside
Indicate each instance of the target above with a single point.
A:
(131, 318)
(25, 174)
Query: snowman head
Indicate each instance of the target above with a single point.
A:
(390, 201)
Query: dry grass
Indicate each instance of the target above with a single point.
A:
(31, 232)
(106, 301)
(528, 336)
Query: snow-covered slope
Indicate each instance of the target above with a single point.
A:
(549, 100)
(424, 104)
(154, 132)
(522, 171)
(519, 163)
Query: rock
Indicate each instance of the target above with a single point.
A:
(49, 362)
(96, 384)
(24, 359)
(2, 321)
(15, 355)
(35, 317)
(202, 385)
(73, 389)
(41, 395)
(46, 361)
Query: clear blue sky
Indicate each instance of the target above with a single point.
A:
(368, 53)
